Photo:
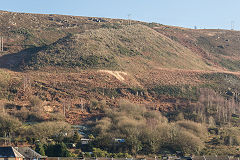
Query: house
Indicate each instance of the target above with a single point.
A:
(211, 158)
(85, 140)
(30, 154)
(118, 140)
(10, 153)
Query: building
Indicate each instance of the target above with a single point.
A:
(118, 140)
(10, 153)
(85, 140)
(30, 154)
(213, 158)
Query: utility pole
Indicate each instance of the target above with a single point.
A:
(129, 20)
(1, 44)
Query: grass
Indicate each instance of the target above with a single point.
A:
(4, 81)
(232, 65)
(9, 86)
(117, 38)
(185, 91)
(225, 83)
(105, 47)
(208, 45)
(138, 49)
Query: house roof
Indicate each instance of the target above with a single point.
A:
(211, 158)
(9, 152)
(29, 153)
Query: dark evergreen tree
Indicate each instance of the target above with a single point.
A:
(57, 150)
(76, 137)
(40, 149)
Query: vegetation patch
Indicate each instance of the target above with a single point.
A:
(226, 84)
(189, 92)
(102, 47)
(230, 64)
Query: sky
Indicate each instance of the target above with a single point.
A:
(184, 13)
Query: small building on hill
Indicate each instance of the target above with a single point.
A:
(85, 141)
(10, 153)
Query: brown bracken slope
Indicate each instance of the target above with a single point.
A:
(74, 61)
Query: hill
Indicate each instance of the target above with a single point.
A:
(146, 55)
(165, 46)
(118, 49)
(217, 46)
(76, 69)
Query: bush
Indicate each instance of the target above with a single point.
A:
(147, 132)
(28, 116)
(40, 149)
(103, 125)
(97, 152)
(57, 150)
(35, 102)
(56, 130)
(56, 116)
(231, 136)
(175, 139)
(188, 143)
(8, 124)
(197, 129)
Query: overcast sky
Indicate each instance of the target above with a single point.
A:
(185, 13)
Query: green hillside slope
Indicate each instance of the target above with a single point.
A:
(113, 48)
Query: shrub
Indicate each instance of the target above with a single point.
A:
(188, 143)
(147, 132)
(57, 150)
(40, 149)
(35, 102)
(8, 124)
(56, 130)
(97, 152)
(196, 129)
(231, 136)
(56, 117)
(174, 138)
(29, 116)
(103, 125)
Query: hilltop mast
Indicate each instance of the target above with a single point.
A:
(232, 25)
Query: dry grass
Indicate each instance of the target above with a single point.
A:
(150, 57)
(108, 48)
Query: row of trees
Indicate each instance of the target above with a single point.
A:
(12, 128)
(147, 132)
(214, 109)
(53, 150)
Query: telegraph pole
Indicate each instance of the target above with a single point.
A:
(1, 44)
(129, 20)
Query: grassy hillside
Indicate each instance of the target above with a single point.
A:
(156, 61)
(82, 69)
(217, 47)
(111, 48)
(184, 48)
